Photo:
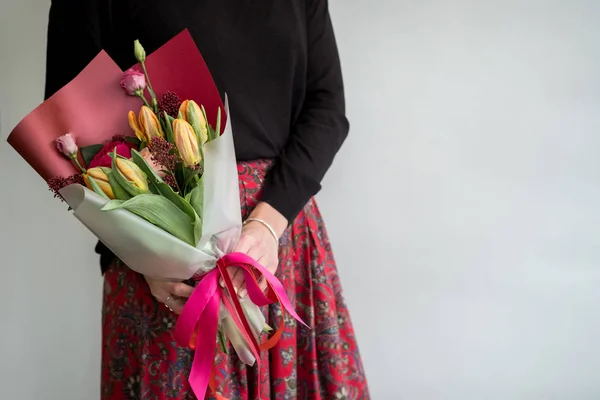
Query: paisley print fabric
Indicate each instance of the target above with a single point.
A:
(141, 359)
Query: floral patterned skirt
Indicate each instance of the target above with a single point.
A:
(141, 359)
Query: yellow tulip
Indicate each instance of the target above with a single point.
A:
(186, 143)
(100, 178)
(147, 125)
(193, 114)
(136, 180)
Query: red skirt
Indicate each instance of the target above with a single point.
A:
(141, 359)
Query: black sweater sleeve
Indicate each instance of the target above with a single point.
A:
(73, 41)
(321, 127)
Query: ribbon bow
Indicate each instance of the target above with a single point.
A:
(198, 323)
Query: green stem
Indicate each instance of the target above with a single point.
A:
(76, 162)
(150, 90)
(222, 341)
(140, 94)
(176, 183)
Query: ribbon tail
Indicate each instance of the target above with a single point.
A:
(277, 287)
(243, 260)
(205, 347)
(185, 328)
(238, 315)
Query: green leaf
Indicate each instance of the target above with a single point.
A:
(200, 130)
(133, 140)
(168, 128)
(181, 203)
(152, 176)
(96, 187)
(89, 152)
(190, 175)
(144, 166)
(218, 127)
(118, 191)
(197, 198)
(159, 211)
(168, 192)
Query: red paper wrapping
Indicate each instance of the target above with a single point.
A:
(93, 107)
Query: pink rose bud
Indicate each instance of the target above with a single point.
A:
(159, 169)
(133, 82)
(66, 145)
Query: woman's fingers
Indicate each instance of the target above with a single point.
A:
(237, 277)
(173, 295)
(262, 283)
(181, 290)
(243, 292)
(176, 304)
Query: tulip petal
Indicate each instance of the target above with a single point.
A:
(148, 122)
(95, 187)
(183, 109)
(197, 120)
(135, 127)
(186, 143)
(160, 212)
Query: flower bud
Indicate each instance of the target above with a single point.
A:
(138, 51)
(130, 176)
(67, 146)
(191, 112)
(133, 82)
(147, 125)
(186, 143)
(101, 179)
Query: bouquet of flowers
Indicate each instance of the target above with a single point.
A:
(165, 197)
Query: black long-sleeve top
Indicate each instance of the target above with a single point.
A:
(276, 60)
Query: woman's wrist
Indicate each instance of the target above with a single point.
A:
(270, 216)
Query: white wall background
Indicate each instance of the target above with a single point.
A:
(470, 183)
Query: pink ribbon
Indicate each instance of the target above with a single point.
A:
(200, 316)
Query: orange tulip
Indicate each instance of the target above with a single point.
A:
(135, 179)
(147, 125)
(100, 178)
(193, 114)
(186, 143)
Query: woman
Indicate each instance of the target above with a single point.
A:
(278, 62)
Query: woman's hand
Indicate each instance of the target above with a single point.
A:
(258, 242)
(172, 294)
